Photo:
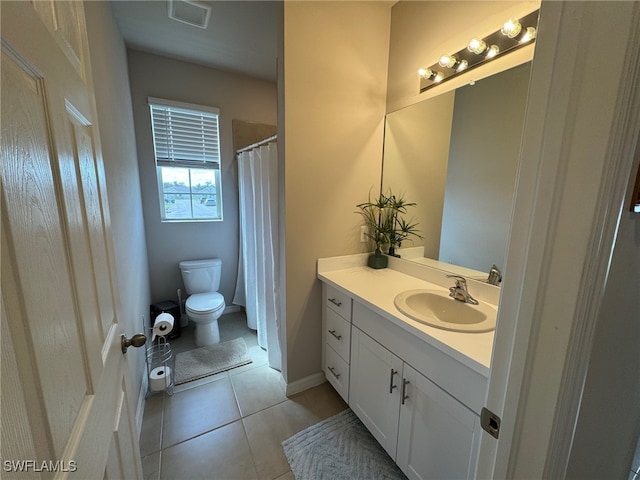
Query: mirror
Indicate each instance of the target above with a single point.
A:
(456, 156)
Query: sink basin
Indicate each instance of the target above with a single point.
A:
(437, 309)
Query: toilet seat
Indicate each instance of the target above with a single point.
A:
(205, 303)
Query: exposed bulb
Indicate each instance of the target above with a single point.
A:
(448, 61)
(477, 46)
(511, 28)
(529, 34)
(429, 74)
(462, 66)
(493, 51)
(425, 73)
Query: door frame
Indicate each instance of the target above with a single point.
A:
(576, 159)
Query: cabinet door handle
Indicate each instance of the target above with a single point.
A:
(335, 302)
(405, 382)
(391, 385)
(333, 332)
(337, 375)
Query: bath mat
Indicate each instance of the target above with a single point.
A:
(205, 361)
(339, 448)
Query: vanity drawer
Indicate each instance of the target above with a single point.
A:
(338, 302)
(338, 334)
(337, 372)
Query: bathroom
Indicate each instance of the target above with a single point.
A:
(359, 87)
(248, 110)
(361, 81)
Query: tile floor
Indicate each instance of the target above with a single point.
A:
(230, 425)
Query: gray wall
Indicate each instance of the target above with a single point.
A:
(609, 420)
(115, 124)
(238, 97)
(483, 159)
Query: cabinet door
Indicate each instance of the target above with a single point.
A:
(438, 436)
(376, 376)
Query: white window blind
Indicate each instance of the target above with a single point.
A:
(185, 135)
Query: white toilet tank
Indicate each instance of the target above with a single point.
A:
(201, 276)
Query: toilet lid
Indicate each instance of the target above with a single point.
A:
(205, 302)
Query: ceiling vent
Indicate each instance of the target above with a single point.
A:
(192, 13)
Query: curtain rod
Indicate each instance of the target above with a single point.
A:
(258, 144)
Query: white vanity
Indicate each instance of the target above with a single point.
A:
(418, 389)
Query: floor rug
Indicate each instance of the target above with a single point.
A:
(205, 361)
(339, 448)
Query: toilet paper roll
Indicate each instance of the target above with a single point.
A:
(163, 325)
(160, 379)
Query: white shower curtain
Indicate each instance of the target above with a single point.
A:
(257, 284)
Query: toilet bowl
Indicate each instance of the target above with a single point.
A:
(204, 304)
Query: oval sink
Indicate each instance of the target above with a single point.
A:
(437, 309)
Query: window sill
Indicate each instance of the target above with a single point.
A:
(191, 220)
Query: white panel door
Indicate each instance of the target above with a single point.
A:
(63, 371)
(376, 385)
(438, 436)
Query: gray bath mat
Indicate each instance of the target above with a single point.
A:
(339, 448)
(209, 360)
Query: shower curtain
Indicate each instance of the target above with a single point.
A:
(257, 284)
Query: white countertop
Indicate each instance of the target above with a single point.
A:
(376, 289)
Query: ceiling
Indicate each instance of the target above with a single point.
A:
(241, 36)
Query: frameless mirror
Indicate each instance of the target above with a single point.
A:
(456, 156)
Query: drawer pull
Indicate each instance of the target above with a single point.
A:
(337, 303)
(405, 382)
(391, 385)
(333, 332)
(337, 375)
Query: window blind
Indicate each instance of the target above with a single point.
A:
(185, 135)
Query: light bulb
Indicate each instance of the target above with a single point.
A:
(511, 28)
(477, 46)
(462, 65)
(425, 73)
(429, 74)
(448, 61)
(493, 51)
(529, 34)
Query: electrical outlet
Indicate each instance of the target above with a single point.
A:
(363, 233)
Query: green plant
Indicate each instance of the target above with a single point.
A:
(385, 222)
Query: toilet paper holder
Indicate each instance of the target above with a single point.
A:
(159, 356)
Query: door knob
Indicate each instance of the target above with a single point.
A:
(138, 340)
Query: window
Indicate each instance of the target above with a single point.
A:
(187, 153)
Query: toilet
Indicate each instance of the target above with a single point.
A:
(204, 305)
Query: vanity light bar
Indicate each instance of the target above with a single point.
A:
(514, 33)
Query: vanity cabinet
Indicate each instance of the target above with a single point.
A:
(336, 339)
(424, 429)
(420, 403)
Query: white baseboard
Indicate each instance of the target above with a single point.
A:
(141, 398)
(303, 384)
(231, 309)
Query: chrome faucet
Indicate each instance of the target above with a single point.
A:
(459, 291)
(495, 276)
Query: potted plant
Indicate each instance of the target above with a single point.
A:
(386, 225)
